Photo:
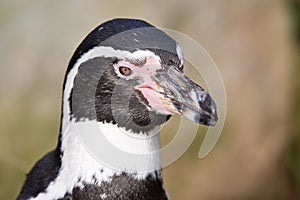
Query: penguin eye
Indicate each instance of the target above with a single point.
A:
(125, 71)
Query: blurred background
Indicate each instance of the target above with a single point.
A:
(255, 43)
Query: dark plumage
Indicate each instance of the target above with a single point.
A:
(123, 187)
(44, 171)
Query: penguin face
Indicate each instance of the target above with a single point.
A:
(129, 73)
(141, 67)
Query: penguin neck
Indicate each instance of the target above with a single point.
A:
(96, 150)
(80, 168)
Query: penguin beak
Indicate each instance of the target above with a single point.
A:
(171, 92)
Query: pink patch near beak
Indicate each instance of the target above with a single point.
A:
(156, 100)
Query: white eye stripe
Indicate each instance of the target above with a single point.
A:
(102, 51)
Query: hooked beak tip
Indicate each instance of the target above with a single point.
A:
(209, 116)
(203, 110)
(206, 119)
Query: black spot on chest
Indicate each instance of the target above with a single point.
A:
(121, 187)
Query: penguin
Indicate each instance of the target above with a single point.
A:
(127, 78)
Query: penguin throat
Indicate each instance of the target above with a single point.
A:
(82, 165)
(110, 147)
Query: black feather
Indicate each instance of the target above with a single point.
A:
(38, 179)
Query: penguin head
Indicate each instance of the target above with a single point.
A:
(129, 73)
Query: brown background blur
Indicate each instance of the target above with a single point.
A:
(255, 44)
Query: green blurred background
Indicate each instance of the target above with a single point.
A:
(255, 43)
